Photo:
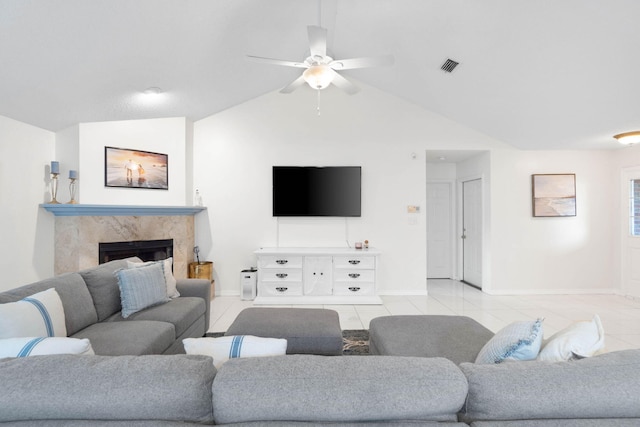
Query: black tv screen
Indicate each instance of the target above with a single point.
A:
(316, 191)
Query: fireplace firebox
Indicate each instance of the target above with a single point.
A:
(146, 250)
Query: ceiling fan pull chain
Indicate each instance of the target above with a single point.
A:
(318, 108)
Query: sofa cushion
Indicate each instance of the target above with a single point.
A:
(38, 346)
(181, 312)
(337, 389)
(73, 292)
(103, 286)
(604, 386)
(38, 315)
(236, 346)
(141, 287)
(517, 341)
(581, 339)
(63, 387)
(130, 338)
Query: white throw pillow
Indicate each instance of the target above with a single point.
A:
(170, 281)
(39, 346)
(39, 315)
(581, 339)
(225, 348)
(517, 341)
(141, 287)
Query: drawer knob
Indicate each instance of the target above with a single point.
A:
(354, 289)
(354, 261)
(282, 261)
(281, 289)
(354, 275)
(281, 275)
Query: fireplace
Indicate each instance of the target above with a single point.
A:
(146, 250)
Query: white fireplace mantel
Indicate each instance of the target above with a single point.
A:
(120, 210)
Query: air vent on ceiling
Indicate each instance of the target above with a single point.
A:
(449, 65)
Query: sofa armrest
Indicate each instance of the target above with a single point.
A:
(197, 288)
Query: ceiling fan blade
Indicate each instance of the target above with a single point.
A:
(273, 61)
(293, 85)
(370, 61)
(344, 84)
(317, 41)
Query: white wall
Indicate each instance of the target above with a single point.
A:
(26, 253)
(236, 149)
(552, 255)
(166, 136)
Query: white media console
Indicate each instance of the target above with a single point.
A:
(317, 276)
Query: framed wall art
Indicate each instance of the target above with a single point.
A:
(554, 195)
(129, 168)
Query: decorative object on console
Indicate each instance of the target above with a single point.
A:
(232, 347)
(55, 171)
(517, 341)
(358, 245)
(135, 169)
(554, 195)
(73, 177)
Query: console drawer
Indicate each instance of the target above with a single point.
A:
(354, 275)
(281, 275)
(276, 261)
(280, 289)
(356, 261)
(351, 288)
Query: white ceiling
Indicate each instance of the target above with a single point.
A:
(535, 74)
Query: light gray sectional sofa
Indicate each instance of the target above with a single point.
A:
(92, 305)
(292, 390)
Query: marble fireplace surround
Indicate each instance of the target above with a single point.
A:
(79, 230)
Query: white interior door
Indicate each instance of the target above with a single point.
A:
(472, 232)
(439, 230)
(630, 220)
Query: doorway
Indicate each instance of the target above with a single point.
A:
(440, 230)
(472, 232)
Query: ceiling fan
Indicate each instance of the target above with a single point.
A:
(321, 70)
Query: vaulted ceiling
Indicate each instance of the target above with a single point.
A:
(548, 74)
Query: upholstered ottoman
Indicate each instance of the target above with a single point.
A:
(457, 338)
(307, 330)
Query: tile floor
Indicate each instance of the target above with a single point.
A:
(620, 316)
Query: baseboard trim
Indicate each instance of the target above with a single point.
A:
(506, 292)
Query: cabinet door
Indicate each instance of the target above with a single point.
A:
(318, 275)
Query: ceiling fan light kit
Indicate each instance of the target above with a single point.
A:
(628, 138)
(318, 76)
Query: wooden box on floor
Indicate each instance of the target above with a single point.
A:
(203, 270)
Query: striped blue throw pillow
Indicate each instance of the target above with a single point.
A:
(235, 346)
(39, 346)
(39, 315)
(141, 287)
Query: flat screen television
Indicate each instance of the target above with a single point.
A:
(316, 191)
